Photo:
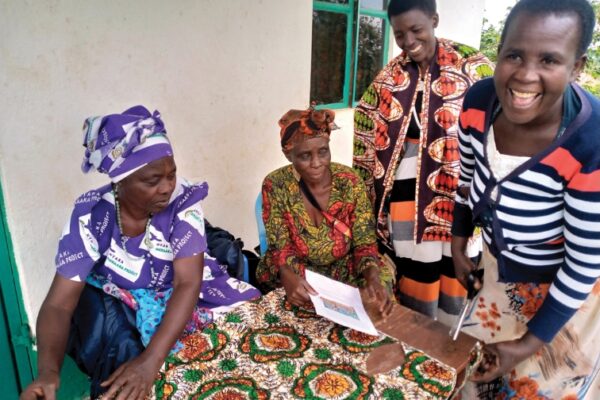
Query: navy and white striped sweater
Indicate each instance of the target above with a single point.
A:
(545, 224)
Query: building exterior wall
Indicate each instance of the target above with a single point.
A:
(461, 20)
(221, 73)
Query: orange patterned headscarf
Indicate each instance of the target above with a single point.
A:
(311, 123)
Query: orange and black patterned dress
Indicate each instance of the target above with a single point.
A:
(295, 241)
(406, 150)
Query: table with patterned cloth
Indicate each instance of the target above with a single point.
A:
(269, 349)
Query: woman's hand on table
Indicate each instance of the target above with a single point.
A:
(43, 387)
(132, 380)
(375, 290)
(500, 358)
(296, 288)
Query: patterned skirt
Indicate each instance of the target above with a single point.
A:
(566, 368)
(426, 280)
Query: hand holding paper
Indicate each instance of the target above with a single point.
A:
(296, 288)
(340, 303)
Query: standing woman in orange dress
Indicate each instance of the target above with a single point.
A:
(406, 150)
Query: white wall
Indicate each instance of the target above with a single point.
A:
(221, 72)
(461, 21)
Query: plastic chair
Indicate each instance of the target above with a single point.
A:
(262, 234)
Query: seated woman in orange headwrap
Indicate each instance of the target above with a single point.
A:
(317, 216)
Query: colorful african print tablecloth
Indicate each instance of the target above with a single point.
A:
(269, 349)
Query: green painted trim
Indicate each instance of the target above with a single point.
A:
(373, 13)
(347, 10)
(385, 46)
(350, 46)
(333, 7)
(386, 30)
(331, 106)
(18, 325)
(22, 363)
(351, 62)
(9, 380)
(355, 50)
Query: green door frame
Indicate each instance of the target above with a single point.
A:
(351, 59)
(20, 341)
(22, 357)
(9, 381)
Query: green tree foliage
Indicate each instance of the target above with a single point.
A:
(590, 79)
(490, 38)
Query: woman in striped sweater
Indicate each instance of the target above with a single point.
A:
(530, 177)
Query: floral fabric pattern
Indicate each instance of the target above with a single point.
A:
(565, 368)
(294, 240)
(526, 298)
(263, 350)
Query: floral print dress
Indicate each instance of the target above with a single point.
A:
(565, 369)
(295, 241)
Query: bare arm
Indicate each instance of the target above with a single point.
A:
(53, 323)
(186, 289)
(134, 379)
(281, 264)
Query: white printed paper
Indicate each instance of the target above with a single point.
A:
(340, 303)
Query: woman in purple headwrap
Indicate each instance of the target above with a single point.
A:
(130, 265)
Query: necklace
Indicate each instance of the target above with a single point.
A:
(421, 80)
(124, 238)
(417, 118)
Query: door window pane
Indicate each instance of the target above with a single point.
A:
(328, 57)
(380, 5)
(370, 52)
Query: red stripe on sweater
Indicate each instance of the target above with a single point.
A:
(563, 162)
(569, 168)
(472, 118)
(586, 182)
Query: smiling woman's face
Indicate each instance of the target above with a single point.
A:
(149, 189)
(536, 62)
(414, 33)
(311, 158)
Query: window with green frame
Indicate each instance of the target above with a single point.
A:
(350, 40)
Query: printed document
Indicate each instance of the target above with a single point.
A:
(340, 303)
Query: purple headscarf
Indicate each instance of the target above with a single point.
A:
(120, 144)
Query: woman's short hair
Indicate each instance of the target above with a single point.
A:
(581, 8)
(397, 7)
